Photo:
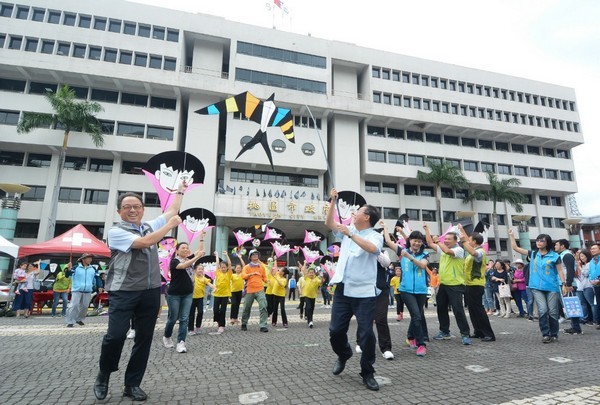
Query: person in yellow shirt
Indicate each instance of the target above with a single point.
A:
(312, 283)
(255, 275)
(279, 280)
(300, 286)
(270, 284)
(395, 283)
(200, 284)
(222, 291)
(237, 289)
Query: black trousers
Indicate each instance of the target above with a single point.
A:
(479, 318)
(125, 305)
(310, 308)
(220, 309)
(301, 305)
(236, 300)
(197, 305)
(418, 325)
(269, 303)
(342, 310)
(383, 330)
(452, 295)
(292, 294)
(279, 302)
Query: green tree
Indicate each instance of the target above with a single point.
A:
(501, 190)
(445, 174)
(69, 115)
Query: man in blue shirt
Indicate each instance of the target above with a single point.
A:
(356, 291)
(133, 285)
(85, 278)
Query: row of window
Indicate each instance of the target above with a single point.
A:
(471, 165)
(286, 179)
(31, 229)
(548, 222)
(84, 93)
(90, 196)
(280, 146)
(464, 141)
(471, 88)
(72, 19)
(473, 111)
(84, 51)
(108, 127)
(283, 55)
(275, 80)
(300, 121)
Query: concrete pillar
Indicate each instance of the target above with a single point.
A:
(221, 238)
(8, 223)
(524, 241)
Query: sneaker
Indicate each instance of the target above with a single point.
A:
(311, 325)
(131, 334)
(69, 325)
(388, 355)
(168, 342)
(221, 330)
(80, 323)
(496, 313)
(546, 339)
(554, 339)
(285, 325)
(530, 319)
(561, 319)
(466, 340)
(274, 324)
(265, 330)
(181, 347)
(412, 343)
(197, 330)
(301, 316)
(421, 351)
(358, 349)
(507, 316)
(191, 332)
(572, 331)
(244, 327)
(442, 336)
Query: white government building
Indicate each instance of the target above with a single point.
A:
(380, 115)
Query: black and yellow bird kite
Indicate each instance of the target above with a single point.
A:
(265, 113)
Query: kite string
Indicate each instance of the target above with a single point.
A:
(337, 203)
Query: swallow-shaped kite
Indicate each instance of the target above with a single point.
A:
(265, 113)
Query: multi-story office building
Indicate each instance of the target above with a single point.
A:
(380, 116)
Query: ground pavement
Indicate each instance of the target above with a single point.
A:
(45, 363)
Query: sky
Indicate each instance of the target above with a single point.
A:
(553, 41)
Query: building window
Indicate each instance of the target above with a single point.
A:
(165, 103)
(547, 222)
(63, 49)
(535, 172)
(563, 154)
(85, 21)
(308, 149)
(69, 19)
(470, 166)
(447, 192)
(141, 59)
(96, 197)
(470, 142)
(504, 169)
(414, 136)
(389, 188)
(249, 176)
(6, 10)
(125, 57)
(172, 35)
(372, 187)
(376, 156)
(47, 47)
(105, 95)
(449, 216)
(27, 229)
(128, 167)
(79, 51)
(556, 201)
(69, 195)
(558, 222)
(11, 158)
(426, 191)
(434, 138)
(549, 152)
(38, 160)
(520, 171)
(95, 53)
(517, 148)
(375, 131)
(101, 165)
(528, 198)
(134, 99)
(54, 17)
(166, 134)
(483, 217)
(483, 144)
(9, 118)
(158, 32)
(413, 214)
(488, 167)
(129, 28)
(429, 215)
(376, 72)
(75, 163)
(395, 133)
(567, 176)
(107, 127)
(100, 23)
(278, 146)
(151, 200)
(544, 200)
(144, 31)
(35, 193)
(377, 97)
(110, 55)
(502, 146)
(15, 42)
(551, 174)
(134, 130)
(170, 64)
(451, 140)
(409, 189)
(533, 150)
(114, 25)
(390, 213)
(155, 62)
(31, 45)
(416, 160)
(397, 158)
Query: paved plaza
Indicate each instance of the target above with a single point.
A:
(43, 362)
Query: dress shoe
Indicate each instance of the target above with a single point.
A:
(339, 366)
(135, 393)
(101, 385)
(80, 323)
(488, 339)
(371, 383)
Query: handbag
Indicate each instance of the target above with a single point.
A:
(572, 306)
(504, 290)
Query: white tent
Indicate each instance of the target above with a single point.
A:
(8, 248)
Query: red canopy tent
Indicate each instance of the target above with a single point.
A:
(75, 241)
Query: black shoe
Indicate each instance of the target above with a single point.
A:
(265, 330)
(339, 366)
(371, 383)
(101, 386)
(69, 325)
(546, 339)
(135, 393)
(572, 331)
(477, 336)
(244, 327)
(488, 339)
(80, 323)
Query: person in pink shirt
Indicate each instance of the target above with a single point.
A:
(519, 287)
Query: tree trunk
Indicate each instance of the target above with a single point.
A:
(438, 207)
(496, 234)
(55, 191)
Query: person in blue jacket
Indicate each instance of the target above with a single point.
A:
(85, 279)
(545, 270)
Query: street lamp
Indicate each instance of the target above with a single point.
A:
(573, 226)
(524, 240)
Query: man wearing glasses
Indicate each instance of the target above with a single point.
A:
(356, 292)
(133, 285)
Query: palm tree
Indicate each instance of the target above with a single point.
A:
(442, 173)
(68, 115)
(501, 190)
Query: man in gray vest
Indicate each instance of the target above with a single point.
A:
(133, 285)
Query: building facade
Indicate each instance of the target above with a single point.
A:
(372, 117)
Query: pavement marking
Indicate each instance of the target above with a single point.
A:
(560, 359)
(581, 395)
(477, 369)
(506, 333)
(253, 397)
(383, 380)
(224, 353)
(311, 344)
